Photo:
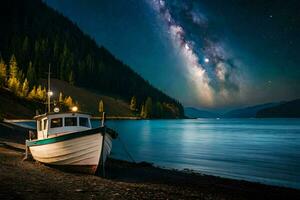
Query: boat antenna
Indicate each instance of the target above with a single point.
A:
(49, 90)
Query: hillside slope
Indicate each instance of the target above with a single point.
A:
(38, 36)
(12, 107)
(89, 101)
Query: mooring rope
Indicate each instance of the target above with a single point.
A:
(126, 150)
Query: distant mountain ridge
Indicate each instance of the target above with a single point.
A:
(248, 112)
(284, 109)
(290, 109)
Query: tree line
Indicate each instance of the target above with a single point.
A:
(23, 84)
(150, 109)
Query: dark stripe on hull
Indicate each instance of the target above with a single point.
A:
(69, 136)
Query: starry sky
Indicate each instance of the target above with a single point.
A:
(211, 54)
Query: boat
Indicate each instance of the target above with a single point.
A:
(68, 140)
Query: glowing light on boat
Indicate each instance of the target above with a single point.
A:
(74, 109)
(50, 93)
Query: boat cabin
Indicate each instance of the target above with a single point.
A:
(55, 124)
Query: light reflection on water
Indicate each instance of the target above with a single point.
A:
(263, 150)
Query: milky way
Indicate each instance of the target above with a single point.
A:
(210, 67)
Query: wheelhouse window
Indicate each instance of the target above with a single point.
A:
(83, 121)
(70, 121)
(56, 122)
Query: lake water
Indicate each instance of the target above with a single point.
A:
(260, 150)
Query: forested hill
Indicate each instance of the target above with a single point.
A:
(37, 36)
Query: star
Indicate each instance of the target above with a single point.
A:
(206, 60)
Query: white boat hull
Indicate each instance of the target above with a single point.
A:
(80, 153)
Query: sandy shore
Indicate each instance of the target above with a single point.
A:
(32, 180)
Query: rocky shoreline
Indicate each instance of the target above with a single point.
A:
(124, 180)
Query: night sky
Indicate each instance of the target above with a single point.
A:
(212, 54)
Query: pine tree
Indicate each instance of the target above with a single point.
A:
(14, 85)
(142, 111)
(101, 106)
(3, 72)
(133, 103)
(71, 78)
(13, 67)
(60, 98)
(32, 93)
(31, 74)
(39, 93)
(69, 101)
(25, 88)
(13, 82)
(148, 108)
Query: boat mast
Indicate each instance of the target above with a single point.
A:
(49, 91)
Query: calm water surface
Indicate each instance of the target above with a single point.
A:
(261, 150)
